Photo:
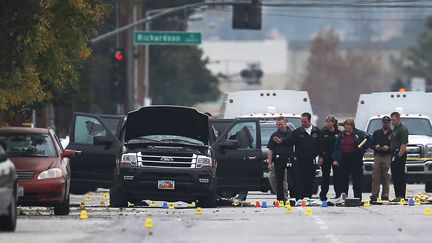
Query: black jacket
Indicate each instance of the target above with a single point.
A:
(328, 140)
(306, 146)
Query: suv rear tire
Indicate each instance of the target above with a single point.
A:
(118, 199)
(63, 208)
(428, 186)
(210, 200)
(8, 222)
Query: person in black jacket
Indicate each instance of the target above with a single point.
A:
(307, 141)
(280, 156)
(329, 135)
(349, 150)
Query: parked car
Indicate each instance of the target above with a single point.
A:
(8, 193)
(42, 167)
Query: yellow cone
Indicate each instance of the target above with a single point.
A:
(82, 205)
(153, 204)
(379, 200)
(199, 211)
(171, 206)
(236, 202)
(366, 203)
(417, 202)
(148, 223)
(83, 214)
(427, 212)
(288, 208)
(308, 211)
(106, 196)
(87, 197)
(102, 203)
(281, 204)
(402, 202)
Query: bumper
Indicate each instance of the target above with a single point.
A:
(42, 192)
(142, 183)
(415, 171)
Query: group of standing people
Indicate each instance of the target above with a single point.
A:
(300, 151)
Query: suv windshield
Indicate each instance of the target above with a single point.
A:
(166, 139)
(28, 145)
(415, 126)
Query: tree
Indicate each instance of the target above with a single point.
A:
(44, 48)
(334, 79)
(417, 60)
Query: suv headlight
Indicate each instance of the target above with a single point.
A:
(204, 161)
(130, 158)
(429, 151)
(50, 174)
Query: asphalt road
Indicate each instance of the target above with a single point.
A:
(385, 223)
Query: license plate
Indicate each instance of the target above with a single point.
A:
(166, 184)
(20, 191)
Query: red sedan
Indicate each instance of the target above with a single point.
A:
(42, 167)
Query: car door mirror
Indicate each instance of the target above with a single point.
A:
(102, 140)
(229, 145)
(68, 153)
(3, 157)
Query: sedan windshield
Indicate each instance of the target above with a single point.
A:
(415, 126)
(166, 139)
(28, 145)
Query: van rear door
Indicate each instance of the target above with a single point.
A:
(95, 140)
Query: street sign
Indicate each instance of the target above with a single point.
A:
(167, 38)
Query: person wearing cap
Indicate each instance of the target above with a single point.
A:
(381, 146)
(329, 133)
(398, 147)
(350, 147)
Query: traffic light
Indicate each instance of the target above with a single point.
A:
(252, 75)
(118, 83)
(247, 16)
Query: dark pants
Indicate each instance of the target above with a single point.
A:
(352, 164)
(326, 167)
(280, 163)
(305, 174)
(398, 175)
(292, 182)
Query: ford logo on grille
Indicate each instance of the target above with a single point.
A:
(166, 159)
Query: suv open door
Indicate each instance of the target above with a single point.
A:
(239, 157)
(95, 140)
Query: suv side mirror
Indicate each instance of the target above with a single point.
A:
(102, 140)
(67, 153)
(229, 144)
(3, 157)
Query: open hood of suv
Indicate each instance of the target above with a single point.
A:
(167, 120)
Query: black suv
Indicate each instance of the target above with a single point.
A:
(164, 153)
